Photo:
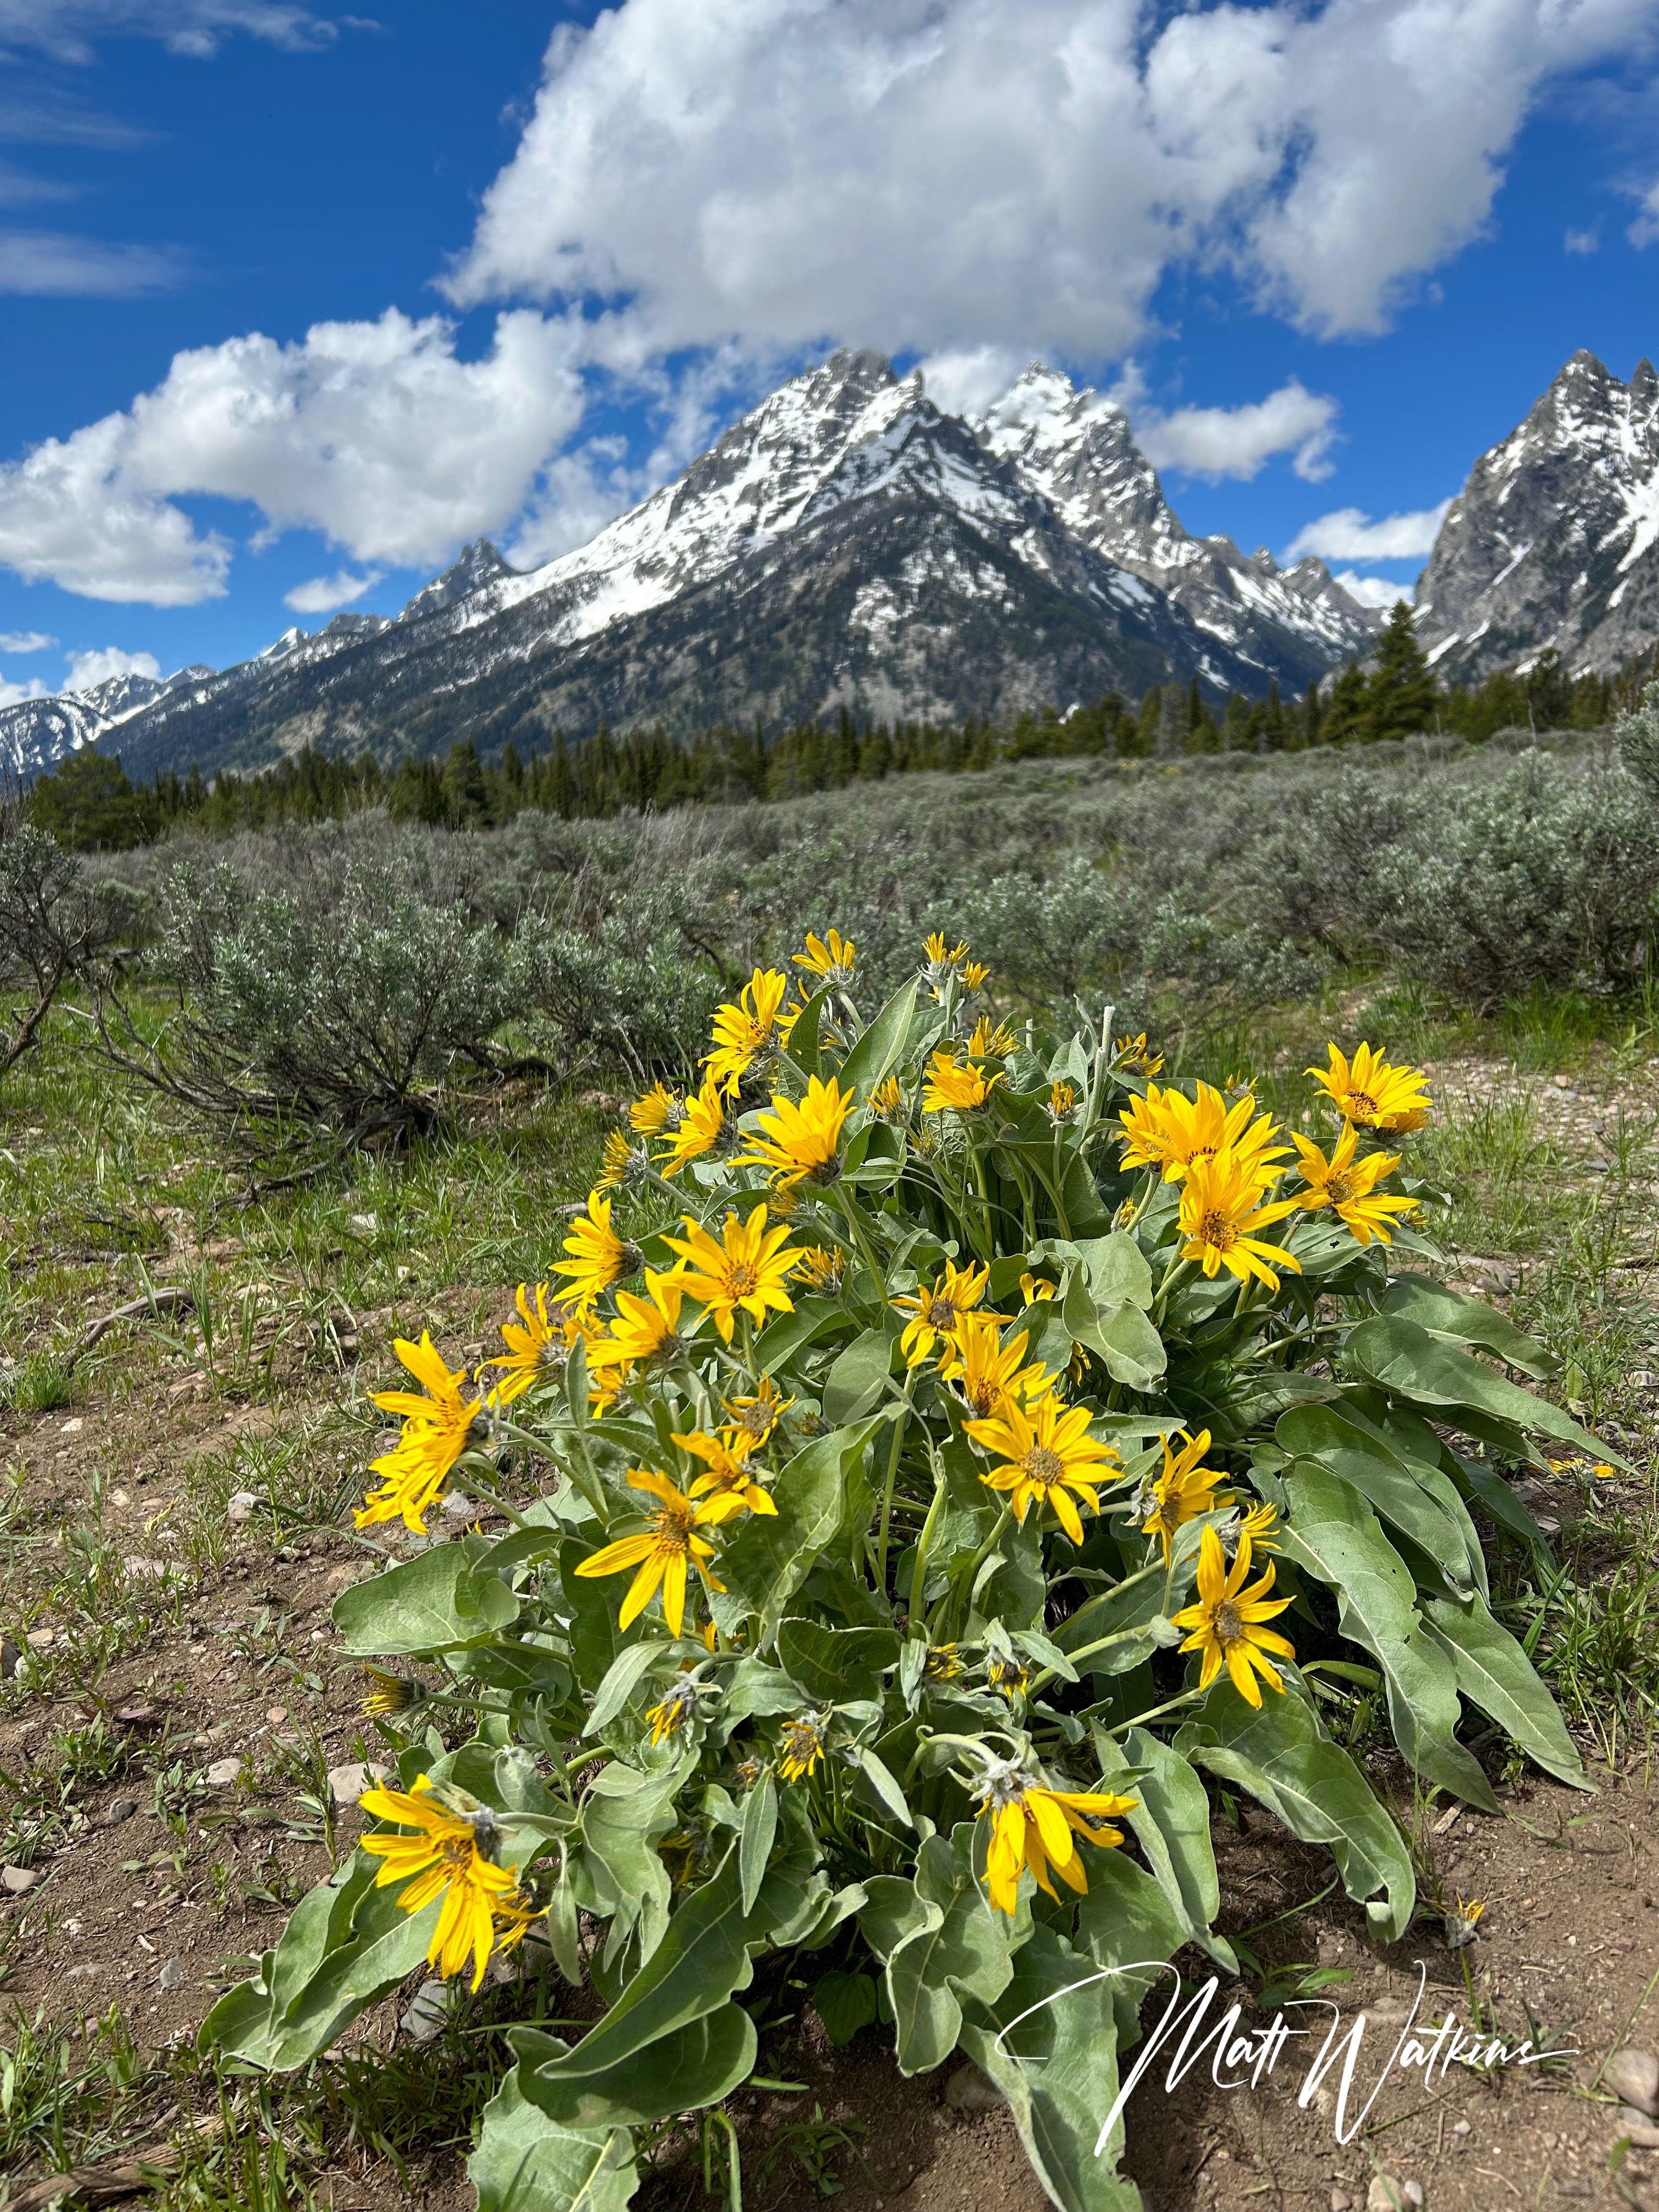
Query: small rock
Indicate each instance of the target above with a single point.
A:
(458, 1506)
(153, 1570)
(1388, 2195)
(122, 1809)
(71, 1428)
(135, 1716)
(17, 1882)
(346, 1785)
(424, 2021)
(172, 1974)
(223, 1774)
(1633, 2077)
(243, 1505)
(1340, 2201)
(1462, 2128)
(364, 1224)
(342, 1578)
(275, 1714)
(38, 1638)
(969, 2091)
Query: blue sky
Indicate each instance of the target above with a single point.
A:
(297, 301)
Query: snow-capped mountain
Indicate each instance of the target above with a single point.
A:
(845, 544)
(1554, 539)
(36, 733)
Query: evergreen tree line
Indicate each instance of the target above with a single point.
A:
(88, 802)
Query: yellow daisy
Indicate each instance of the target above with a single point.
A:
(992, 1040)
(599, 1257)
(1062, 1103)
(658, 1111)
(701, 1125)
(437, 1429)
(1034, 1825)
(822, 1269)
(537, 1347)
(644, 1329)
(757, 1021)
(729, 1474)
(830, 957)
(887, 1100)
(755, 1415)
(1132, 1052)
(989, 1373)
(1350, 1185)
(803, 1746)
(1185, 1489)
(936, 1310)
(956, 1087)
(1226, 1621)
(444, 1859)
(800, 1143)
(1369, 1091)
(747, 1269)
(1221, 1210)
(617, 1162)
(1047, 1457)
(663, 1552)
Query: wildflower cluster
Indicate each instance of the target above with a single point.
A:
(935, 1446)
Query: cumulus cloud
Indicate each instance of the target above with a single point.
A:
(1645, 228)
(322, 594)
(13, 695)
(25, 641)
(67, 30)
(1374, 591)
(1582, 241)
(1349, 534)
(1235, 441)
(951, 174)
(965, 379)
(375, 434)
(99, 663)
(47, 263)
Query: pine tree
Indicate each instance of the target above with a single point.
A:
(1399, 698)
(1345, 713)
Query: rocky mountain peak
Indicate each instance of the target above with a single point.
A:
(479, 563)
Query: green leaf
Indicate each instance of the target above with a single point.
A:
(803, 1047)
(780, 1340)
(858, 1377)
(1126, 1919)
(1458, 1319)
(884, 1783)
(962, 1950)
(881, 1047)
(625, 1815)
(760, 1828)
(620, 1676)
(770, 1555)
(1171, 1821)
(526, 2162)
(1490, 1489)
(1333, 1535)
(690, 2067)
(1398, 1355)
(1048, 2040)
(1495, 1675)
(1121, 1336)
(845, 2004)
(832, 1665)
(1281, 1756)
(1337, 1440)
(1119, 1271)
(431, 1603)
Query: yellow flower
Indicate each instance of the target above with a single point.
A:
(992, 1041)
(989, 1373)
(599, 1256)
(755, 1415)
(437, 1429)
(536, 1348)
(1259, 1524)
(1371, 1092)
(1062, 1101)
(743, 1031)
(1221, 1210)
(975, 975)
(659, 1110)
(1183, 1491)
(1033, 1826)
(701, 1125)
(830, 957)
(1045, 1455)
(672, 1710)
(936, 1310)
(800, 1142)
(955, 1086)
(1460, 1922)
(1008, 1675)
(618, 1162)
(645, 1328)
(1034, 1289)
(938, 957)
(1350, 1185)
(1132, 1052)
(1226, 1621)
(729, 1475)
(747, 1268)
(663, 1551)
(887, 1100)
(942, 1663)
(1173, 1133)
(390, 1694)
(822, 1269)
(445, 1861)
(803, 1746)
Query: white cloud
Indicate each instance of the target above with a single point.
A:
(374, 433)
(51, 264)
(322, 594)
(100, 663)
(65, 29)
(953, 175)
(1645, 228)
(1349, 534)
(25, 641)
(12, 695)
(1374, 591)
(965, 379)
(1235, 441)
(1582, 241)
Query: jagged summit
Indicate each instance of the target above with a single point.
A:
(477, 564)
(1554, 539)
